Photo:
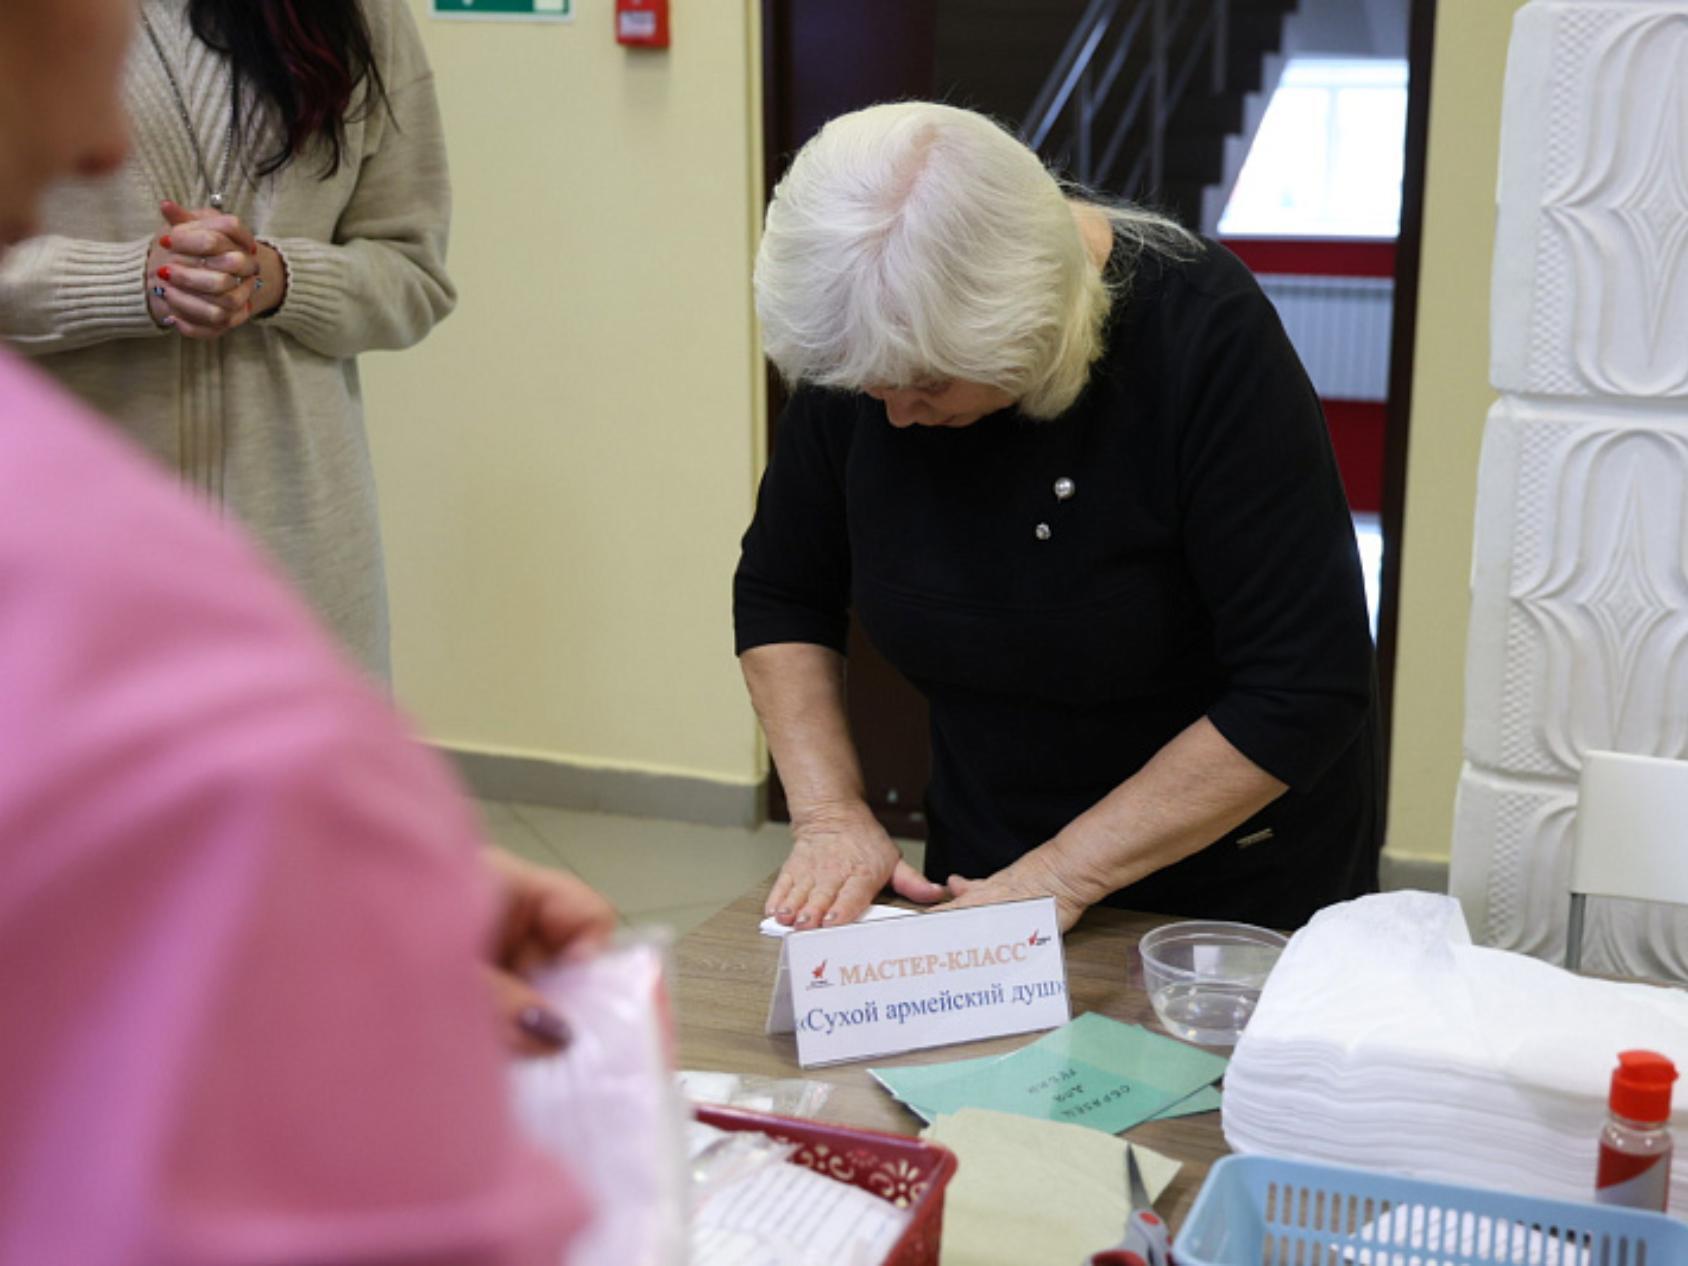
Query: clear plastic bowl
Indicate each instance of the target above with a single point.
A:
(1204, 978)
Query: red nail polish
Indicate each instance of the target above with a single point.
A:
(166, 243)
(164, 273)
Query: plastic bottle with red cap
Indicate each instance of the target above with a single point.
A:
(1636, 1146)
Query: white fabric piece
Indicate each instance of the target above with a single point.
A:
(771, 926)
(1384, 1038)
(786, 1215)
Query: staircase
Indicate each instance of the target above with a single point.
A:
(1130, 97)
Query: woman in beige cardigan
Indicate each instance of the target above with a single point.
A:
(224, 338)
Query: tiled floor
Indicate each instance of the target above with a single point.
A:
(654, 871)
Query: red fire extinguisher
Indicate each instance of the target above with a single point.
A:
(641, 23)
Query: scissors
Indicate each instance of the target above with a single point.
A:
(1145, 1242)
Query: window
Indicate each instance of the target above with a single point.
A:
(1327, 159)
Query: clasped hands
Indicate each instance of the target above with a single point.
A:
(842, 858)
(207, 274)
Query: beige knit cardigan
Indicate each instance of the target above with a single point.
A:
(268, 420)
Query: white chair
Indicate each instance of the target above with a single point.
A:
(1631, 835)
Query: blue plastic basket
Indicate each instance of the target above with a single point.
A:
(1261, 1211)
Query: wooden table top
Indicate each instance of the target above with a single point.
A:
(725, 974)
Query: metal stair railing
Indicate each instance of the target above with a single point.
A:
(1079, 87)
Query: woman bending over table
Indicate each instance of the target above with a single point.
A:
(1062, 463)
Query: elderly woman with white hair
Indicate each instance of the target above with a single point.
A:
(1061, 461)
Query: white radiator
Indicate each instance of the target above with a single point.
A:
(1340, 328)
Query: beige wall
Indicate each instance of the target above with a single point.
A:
(1451, 395)
(567, 463)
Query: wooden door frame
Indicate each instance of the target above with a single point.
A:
(903, 816)
(1421, 46)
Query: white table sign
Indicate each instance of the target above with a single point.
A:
(880, 988)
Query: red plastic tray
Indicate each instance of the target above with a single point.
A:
(911, 1173)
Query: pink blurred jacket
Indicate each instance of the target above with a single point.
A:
(242, 1018)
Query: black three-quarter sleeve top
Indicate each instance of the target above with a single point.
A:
(1202, 564)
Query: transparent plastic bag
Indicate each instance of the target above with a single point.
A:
(608, 1106)
(783, 1096)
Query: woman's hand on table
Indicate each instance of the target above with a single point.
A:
(1031, 876)
(546, 916)
(841, 858)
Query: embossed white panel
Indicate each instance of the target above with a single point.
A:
(1579, 620)
(1580, 598)
(1529, 866)
(1591, 285)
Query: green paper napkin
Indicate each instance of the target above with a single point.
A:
(1094, 1071)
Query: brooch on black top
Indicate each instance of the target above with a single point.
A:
(1064, 489)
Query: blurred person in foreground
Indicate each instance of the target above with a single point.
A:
(246, 922)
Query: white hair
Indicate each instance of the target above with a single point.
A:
(916, 241)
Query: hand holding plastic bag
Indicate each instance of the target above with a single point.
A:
(607, 1106)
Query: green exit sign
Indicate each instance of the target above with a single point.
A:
(507, 10)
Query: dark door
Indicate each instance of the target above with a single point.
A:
(823, 58)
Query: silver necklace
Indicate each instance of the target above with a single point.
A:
(217, 191)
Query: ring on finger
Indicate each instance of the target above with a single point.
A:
(159, 291)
